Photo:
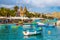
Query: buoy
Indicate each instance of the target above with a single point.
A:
(49, 32)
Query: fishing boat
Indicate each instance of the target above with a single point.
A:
(46, 25)
(31, 29)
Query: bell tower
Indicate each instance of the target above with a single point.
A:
(21, 11)
(25, 10)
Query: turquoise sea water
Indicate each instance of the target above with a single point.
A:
(11, 32)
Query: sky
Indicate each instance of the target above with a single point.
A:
(41, 6)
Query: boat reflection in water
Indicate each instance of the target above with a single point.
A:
(34, 37)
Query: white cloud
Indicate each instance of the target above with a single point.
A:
(42, 3)
(6, 6)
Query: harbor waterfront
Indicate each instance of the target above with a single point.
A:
(45, 27)
(29, 19)
(14, 32)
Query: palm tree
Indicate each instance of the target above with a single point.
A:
(16, 8)
(12, 13)
(6, 12)
(3, 11)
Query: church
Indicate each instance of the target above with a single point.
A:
(21, 12)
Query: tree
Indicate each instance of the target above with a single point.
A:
(6, 12)
(16, 8)
(12, 13)
(3, 11)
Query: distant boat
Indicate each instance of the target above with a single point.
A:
(46, 25)
(40, 23)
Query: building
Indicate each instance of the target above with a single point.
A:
(56, 14)
(22, 11)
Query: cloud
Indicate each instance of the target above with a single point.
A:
(43, 3)
(33, 5)
(6, 6)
